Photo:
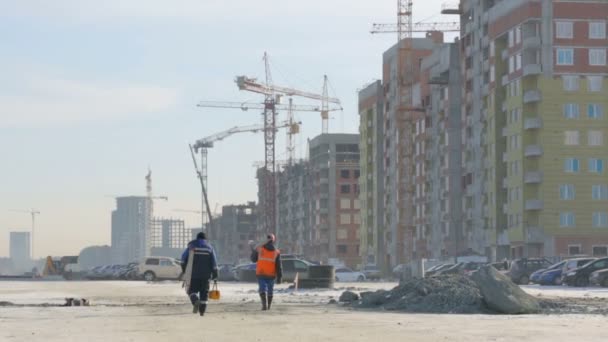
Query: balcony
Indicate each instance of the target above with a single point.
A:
(534, 204)
(469, 74)
(531, 43)
(535, 235)
(533, 151)
(532, 96)
(505, 157)
(533, 123)
(532, 69)
(503, 107)
(505, 80)
(533, 177)
(505, 131)
(485, 90)
(485, 17)
(486, 65)
(505, 183)
(485, 41)
(505, 54)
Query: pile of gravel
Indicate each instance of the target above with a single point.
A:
(444, 294)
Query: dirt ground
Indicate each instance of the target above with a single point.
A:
(137, 311)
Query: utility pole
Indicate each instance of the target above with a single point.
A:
(33, 212)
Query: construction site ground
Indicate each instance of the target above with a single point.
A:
(140, 311)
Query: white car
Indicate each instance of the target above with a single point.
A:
(348, 275)
(152, 268)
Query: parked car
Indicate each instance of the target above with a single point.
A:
(521, 269)
(535, 276)
(576, 263)
(580, 276)
(500, 266)
(153, 268)
(599, 278)
(372, 272)
(555, 277)
(226, 272)
(346, 274)
(292, 266)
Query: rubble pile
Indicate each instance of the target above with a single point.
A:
(447, 294)
(486, 292)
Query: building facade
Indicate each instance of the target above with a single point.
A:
(334, 163)
(371, 182)
(131, 227)
(293, 213)
(233, 231)
(536, 92)
(20, 249)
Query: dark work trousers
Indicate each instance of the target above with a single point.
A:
(200, 287)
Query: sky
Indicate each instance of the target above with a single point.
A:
(92, 93)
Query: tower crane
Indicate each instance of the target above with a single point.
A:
(206, 143)
(33, 212)
(294, 127)
(452, 26)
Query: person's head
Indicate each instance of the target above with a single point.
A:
(201, 236)
(270, 238)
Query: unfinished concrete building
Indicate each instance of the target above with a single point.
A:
(402, 169)
(168, 237)
(293, 214)
(233, 231)
(334, 162)
(371, 182)
(442, 193)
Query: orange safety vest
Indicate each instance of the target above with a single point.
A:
(266, 265)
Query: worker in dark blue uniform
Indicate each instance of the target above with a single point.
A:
(204, 269)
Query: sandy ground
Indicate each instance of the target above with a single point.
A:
(137, 311)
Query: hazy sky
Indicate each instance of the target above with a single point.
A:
(94, 92)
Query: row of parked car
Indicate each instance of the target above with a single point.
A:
(581, 271)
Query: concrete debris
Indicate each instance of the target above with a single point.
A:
(502, 295)
(348, 297)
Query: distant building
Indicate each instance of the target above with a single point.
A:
(20, 249)
(334, 162)
(168, 237)
(131, 226)
(233, 231)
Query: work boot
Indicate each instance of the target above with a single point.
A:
(269, 301)
(195, 303)
(201, 309)
(263, 298)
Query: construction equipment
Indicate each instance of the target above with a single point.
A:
(33, 212)
(294, 127)
(204, 144)
(453, 26)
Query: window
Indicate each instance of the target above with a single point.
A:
(345, 173)
(342, 250)
(594, 83)
(511, 38)
(600, 251)
(597, 30)
(518, 62)
(357, 174)
(511, 64)
(574, 249)
(599, 192)
(566, 192)
(300, 266)
(571, 111)
(518, 35)
(570, 83)
(597, 56)
(566, 219)
(152, 261)
(596, 138)
(357, 219)
(492, 72)
(345, 203)
(345, 189)
(565, 56)
(345, 219)
(342, 234)
(357, 204)
(563, 29)
(594, 111)
(596, 165)
(600, 219)
(166, 263)
(571, 138)
(571, 165)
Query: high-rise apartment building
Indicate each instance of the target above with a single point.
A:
(293, 213)
(233, 231)
(401, 170)
(334, 163)
(371, 181)
(439, 231)
(536, 91)
(131, 227)
(19, 249)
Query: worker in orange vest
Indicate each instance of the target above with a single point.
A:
(268, 268)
